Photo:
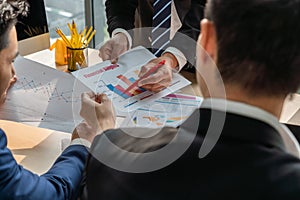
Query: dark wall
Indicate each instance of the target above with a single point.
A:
(35, 23)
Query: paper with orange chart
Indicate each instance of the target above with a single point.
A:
(171, 110)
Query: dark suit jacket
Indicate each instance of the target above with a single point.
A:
(249, 161)
(62, 181)
(130, 14)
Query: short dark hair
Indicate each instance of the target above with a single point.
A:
(258, 44)
(9, 11)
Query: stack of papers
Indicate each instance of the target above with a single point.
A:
(48, 98)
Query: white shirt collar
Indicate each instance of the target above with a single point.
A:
(289, 140)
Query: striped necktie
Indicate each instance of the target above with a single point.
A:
(161, 23)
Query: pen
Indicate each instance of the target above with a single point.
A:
(148, 73)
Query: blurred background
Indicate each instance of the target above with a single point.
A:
(83, 12)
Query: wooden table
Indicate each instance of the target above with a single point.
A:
(36, 149)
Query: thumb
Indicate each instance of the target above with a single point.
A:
(88, 95)
(114, 60)
(102, 98)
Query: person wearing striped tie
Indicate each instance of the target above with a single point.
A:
(173, 28)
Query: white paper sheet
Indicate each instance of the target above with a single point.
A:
(113, 79)
(171, 111)
(43, 97)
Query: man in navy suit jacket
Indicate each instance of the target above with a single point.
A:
(63, 179)
(233, 147)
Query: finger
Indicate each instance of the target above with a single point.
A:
(114, 61)
(143, 71)
(89, 94)
(103, 98)
(157, 89)
(88, 97)
(146, 68)
(158, 86)
(115, 55)
(105, 52)
(99, 98)
(152, 79)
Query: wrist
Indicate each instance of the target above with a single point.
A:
(123, 38)
(106, 124)
(128, 37)
(172, 60)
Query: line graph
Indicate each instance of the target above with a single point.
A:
(49, 90)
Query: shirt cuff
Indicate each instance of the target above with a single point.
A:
(121, 30)
(81, 141)
(181, 59)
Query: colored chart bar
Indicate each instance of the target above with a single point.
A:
(122, 90)
(125, 80)
(118, 90)
(132, 80)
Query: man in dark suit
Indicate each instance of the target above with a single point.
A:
(63, 178)
(233, 147)
(130, 24)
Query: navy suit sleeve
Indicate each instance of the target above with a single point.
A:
(62, 181)
(120, 14)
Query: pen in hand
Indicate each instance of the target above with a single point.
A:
(148, 73)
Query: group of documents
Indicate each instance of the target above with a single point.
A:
(48, 98)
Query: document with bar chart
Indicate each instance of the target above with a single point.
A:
(170, 111)
(114, 79)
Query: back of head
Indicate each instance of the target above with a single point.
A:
(258, 44)
(9, 11)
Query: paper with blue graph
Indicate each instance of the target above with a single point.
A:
(171, 110)
(43, 97)
(114, 79)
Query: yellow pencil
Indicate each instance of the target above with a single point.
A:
(88, 33)
(75, 32)
(62, 35)
(72, 34)
(90, 38)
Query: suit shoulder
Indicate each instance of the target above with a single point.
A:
(139, 140)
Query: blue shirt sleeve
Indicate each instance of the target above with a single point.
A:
(62, 181)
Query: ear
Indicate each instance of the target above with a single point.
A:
(208, 38)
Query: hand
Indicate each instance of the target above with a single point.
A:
(114, 47)
(98, 111)
(84, 131)
(163, 76)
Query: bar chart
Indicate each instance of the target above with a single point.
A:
(123, 83)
